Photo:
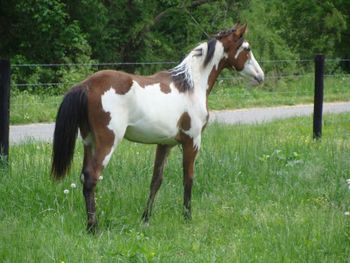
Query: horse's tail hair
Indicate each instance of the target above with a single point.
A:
(71, 114)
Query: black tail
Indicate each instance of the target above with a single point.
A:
(71, 114)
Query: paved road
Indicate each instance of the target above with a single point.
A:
(43, 132)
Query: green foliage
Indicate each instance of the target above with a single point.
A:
(318, 31)
(62, 31)
(44, 33)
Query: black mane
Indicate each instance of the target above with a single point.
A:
(180, 78)
(210, 51)
(179, 74)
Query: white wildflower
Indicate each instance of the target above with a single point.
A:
(66, 191)
(348, 181)
(347, 213)
(101, 178)
(73, 185)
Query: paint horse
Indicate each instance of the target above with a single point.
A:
(168, 108)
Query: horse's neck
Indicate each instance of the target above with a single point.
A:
(215, 72)
(204, 77)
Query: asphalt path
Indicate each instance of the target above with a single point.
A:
(44, 131)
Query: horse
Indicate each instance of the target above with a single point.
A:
(168, 108)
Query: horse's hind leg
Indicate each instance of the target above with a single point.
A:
(96, 156)
(89, 180)
(159, 163)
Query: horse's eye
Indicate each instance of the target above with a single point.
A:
(248, 49)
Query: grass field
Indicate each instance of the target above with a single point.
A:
(29, 107)
(262, 193)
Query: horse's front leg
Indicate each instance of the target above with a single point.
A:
(162, 153)
(189, 155)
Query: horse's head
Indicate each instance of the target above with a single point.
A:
(238, 54)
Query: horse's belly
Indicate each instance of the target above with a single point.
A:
(152, 132)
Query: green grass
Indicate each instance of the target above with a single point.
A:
(288, 91)
(30, 107)
(262, 193)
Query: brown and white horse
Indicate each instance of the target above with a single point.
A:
(167, 109)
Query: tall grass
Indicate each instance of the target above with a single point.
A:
(262, 193)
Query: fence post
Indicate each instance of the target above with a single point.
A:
(4, 108)
(318, 97)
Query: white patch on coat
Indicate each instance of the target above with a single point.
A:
(197, 142)
(108, 157)
(118, 120)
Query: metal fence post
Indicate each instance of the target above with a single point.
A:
(318, 97)
(4, 108)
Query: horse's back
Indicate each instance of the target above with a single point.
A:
(103, 80)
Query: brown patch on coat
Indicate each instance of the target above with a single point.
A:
(122, 82)
(162, 78)
(180, 84)
(164, 88)
(103, 80)
(214, 73)
(98, 120)
(241, 60)
(184, 122)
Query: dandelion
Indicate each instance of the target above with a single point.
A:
(101, 178)
(347, 213)
(73, 185)
(66, 191)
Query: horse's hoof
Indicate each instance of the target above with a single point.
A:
(187, 215)
(144, 224)
(92, 228)
(145, 217)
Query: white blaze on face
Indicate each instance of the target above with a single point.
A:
(244, 46)
(251, 68)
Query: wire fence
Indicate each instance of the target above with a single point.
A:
(289, 78)
(275, 70)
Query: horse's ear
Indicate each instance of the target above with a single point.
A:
(240, 30)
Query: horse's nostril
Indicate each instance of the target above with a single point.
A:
(259, 79)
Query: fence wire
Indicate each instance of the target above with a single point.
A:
(274, 74)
